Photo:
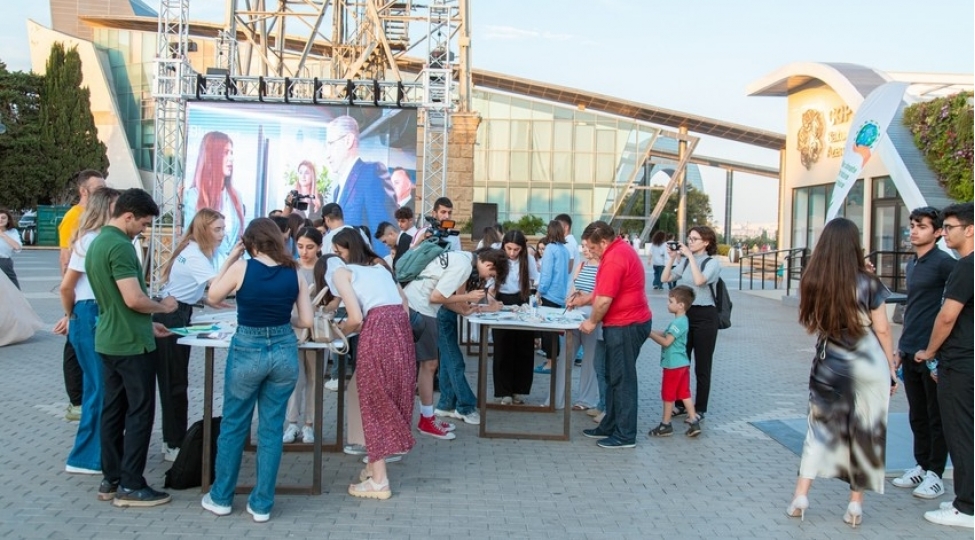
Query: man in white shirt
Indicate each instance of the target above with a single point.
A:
(334, 220)
(570, 241)
(443, 283)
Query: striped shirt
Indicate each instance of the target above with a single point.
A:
(586, 278)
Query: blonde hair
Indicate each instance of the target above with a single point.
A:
(199, 232)
(96, 214)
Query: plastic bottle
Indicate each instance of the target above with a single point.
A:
(932, 366)
(533, 305)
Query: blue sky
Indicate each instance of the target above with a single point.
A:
(696, 57)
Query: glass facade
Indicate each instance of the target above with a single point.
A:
(539, 158)
(130, 59)
(809, 206)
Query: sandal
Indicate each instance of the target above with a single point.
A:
(579, 407)
(364, 474)
(371, 490)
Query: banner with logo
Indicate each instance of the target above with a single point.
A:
(868, 128)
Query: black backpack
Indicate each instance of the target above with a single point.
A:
(722, 300)
(187, 470)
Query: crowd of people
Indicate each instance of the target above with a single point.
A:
(404, 340)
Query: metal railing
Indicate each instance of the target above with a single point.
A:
(783, 265)
(891, 268)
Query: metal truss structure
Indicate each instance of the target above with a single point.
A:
(283, 51)
(171, 71)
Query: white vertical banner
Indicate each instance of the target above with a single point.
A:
(868, 128)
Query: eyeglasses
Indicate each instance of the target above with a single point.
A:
(948, 228)
(693, 239)
(336, 139)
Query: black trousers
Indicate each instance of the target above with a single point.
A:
(172, 375)
(73, 376)
(513, 362)
(930, 449)
(955, 396)
(701, 338)
(127, 416)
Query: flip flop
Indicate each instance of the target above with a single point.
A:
(579, 407)
(542, 369)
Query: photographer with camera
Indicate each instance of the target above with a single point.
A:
(297, 203)
(440, 225)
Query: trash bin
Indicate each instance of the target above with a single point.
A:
(48, 220)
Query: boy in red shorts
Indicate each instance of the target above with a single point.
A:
(673, 359)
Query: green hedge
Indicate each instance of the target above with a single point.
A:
(942, 130)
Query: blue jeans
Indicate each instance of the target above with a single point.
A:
(622, 349)
(455, 391)
(599, 364)
(87, 450)
(658, 272)
(262, 368)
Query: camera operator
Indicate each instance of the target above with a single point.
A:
(443, 210)
(295, 202)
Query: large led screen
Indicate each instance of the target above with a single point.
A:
(242, 159)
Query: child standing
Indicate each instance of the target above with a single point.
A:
(676, 383)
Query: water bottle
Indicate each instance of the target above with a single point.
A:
(533, 305)
(932, 366)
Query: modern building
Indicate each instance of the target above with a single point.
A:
(822, 100)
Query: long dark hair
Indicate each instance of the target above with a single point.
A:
(555, 233)
(524, 281)
(263, 235)
(828, 289)
(321, 269)
(360, 252)
(497, 258)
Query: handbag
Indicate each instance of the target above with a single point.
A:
(324, 329)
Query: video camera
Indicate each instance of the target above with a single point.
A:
(441, 229)
(297, 200)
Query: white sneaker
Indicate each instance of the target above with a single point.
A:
(207, 503)
(911, 478)
(70, 469)
(290, 434)
(447, 414)
(392, 458)
(354, 449)
(472, 417)
(307, 435)
(950, 516)
(931, 487)
(169, 453)
(333, 385)
(258, 518)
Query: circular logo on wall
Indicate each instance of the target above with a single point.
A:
(810, 137)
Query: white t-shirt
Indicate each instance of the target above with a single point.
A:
(374, 286)
(189, 275)
(512, 284)
(436, 277)
(82, 289)
(327, 246)
(573, 247)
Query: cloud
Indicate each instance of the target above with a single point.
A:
(510, 33)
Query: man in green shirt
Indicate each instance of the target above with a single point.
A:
(124, 337)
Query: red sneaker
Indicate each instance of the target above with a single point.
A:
(432, 427)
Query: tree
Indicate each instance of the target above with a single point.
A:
(67, 122)
(24, 158)
(698, 210)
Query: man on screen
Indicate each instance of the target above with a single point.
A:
(362, 189)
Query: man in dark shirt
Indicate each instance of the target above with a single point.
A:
(951, 340)
(927, 273)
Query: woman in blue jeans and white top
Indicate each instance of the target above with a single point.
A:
(78, 323)
(262, 363)
(700, 273)
(553, 283)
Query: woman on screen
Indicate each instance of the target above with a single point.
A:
(308, 185)
(213, 188)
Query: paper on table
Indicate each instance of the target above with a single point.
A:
(193, 330)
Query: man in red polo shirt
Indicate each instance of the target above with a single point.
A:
(619, 302)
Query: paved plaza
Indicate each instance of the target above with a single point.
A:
(733, 481)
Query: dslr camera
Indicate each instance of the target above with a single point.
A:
(297, 201)
(674, 246)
